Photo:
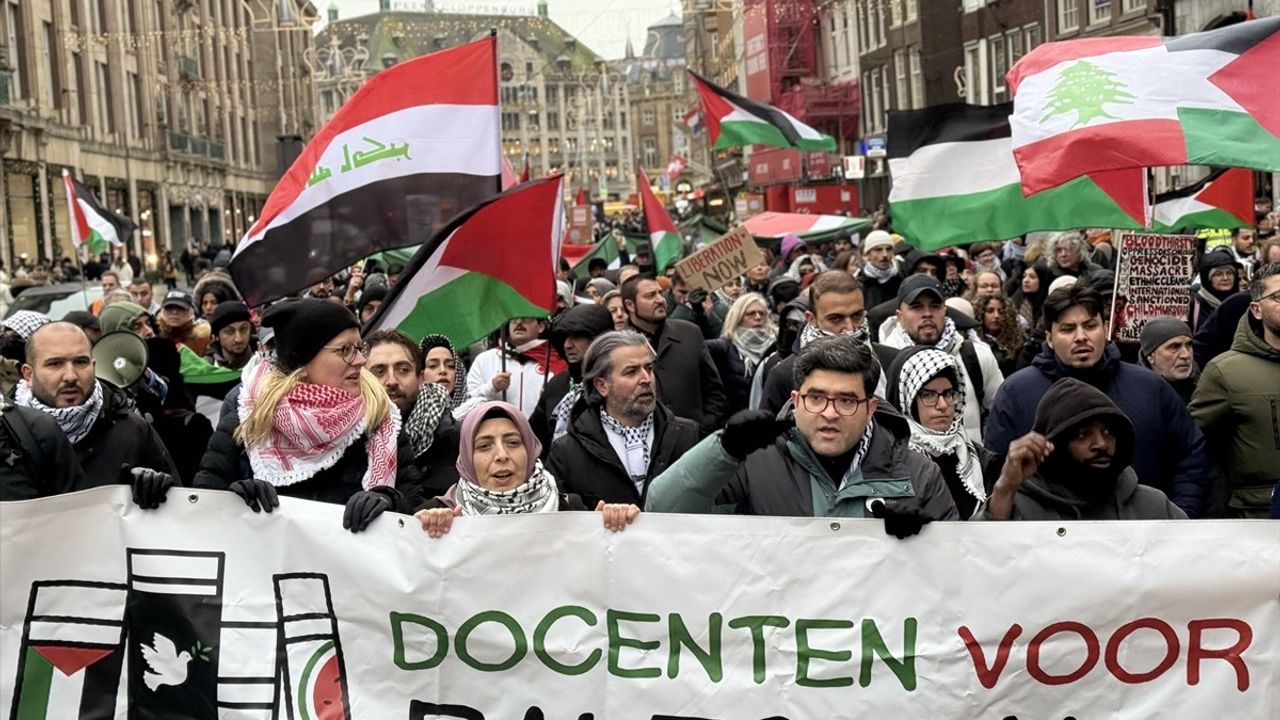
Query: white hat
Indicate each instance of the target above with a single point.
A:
(1065, 281)
(875, 239)
(960, 304)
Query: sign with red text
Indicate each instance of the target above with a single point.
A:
(1153, 273)
(721, 262)
(204, 609)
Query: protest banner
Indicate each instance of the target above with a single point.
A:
(722, 261)
(1153, 273)
(552, 616)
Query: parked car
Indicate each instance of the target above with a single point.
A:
(56, 300)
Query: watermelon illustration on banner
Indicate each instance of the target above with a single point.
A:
(493, 263)
(315, 676)
(664, 238)
(92, 225)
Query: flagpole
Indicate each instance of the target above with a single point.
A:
(77, 247)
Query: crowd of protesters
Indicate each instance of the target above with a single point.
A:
(851, 377)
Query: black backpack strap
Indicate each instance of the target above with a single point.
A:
(973, 368)
(41, 463)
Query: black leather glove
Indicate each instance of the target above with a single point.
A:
(363, 507)
(750, 430)
(149, 486)
(900, 520)
(259, 495)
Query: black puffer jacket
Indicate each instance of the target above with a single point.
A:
(35, 458)
(120, 438)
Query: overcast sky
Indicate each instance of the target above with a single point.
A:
(602, 25)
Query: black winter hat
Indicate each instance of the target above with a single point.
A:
(1071, 403)
(303, 327)
(586, 320)
(371, 294)
(231, 311)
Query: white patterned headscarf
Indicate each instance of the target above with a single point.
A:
(917, 371)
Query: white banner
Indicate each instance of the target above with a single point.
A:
(203, 609)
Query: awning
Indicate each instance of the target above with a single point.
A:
(775, 225)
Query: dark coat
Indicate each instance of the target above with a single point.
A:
(733, 373)
(1038, 499)
(437, 468)
(35, 458)
(584, 463)
(1217, 333)
(543, 418)
(875, 293)
(1169, 452)
(687, 379)
(120, 438)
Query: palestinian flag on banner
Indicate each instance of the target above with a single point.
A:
(92, 224)
(734, 121)
(413, 147)
(1224, 200)
(492, 263)
(1118, 102)
(664, 238)
(955, 182)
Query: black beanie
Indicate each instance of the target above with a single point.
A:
(231, 311)
(302, 327)
(370, 294)
(1070, 403)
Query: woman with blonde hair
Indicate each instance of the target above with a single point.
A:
(312, 422)
(748, 336)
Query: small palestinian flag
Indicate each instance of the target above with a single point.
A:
(734, 121)
(493, 263)
(606, 249)
(1106, 103)
(1222, 201)
(664, 239)
(91, 224)
(314, 671)
(413, 147)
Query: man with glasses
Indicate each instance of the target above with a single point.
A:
(1235, 403)
(841, 453)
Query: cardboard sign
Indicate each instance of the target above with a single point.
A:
(1153, 275)
(721, 262)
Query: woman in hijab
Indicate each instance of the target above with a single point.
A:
(748, 336)
(499, 473)
(312, 422)
(442, 365)
(1219, 280)
(928, 385)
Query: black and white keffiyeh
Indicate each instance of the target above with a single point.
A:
(424, 416)
(633, 445)
(752, 344)
(76, 421)
(538, 494)
(811, 332)
(898, 337)
(564, 409)
(918, 370)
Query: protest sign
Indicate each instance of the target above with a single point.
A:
(722, 261)
(223, 613)
(1153, 273)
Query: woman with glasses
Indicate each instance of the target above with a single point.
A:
(312, 422)
(748, 336)
(928, 385)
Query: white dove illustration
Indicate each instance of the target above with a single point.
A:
(168, 666)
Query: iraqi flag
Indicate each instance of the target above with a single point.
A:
(91, 224)
(734, 121)
(1106, 103)
(492, 263)
(955, 182)
(416, 145)
(1222, 201)
(664, 239)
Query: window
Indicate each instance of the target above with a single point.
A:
(553, 120)
(1134, 5)
(895, 13)
(1101, 12)
(646, 116)
(832, 56)
(553, 93)
(900, 68)
(1068, 15)
(510, 121)
(1031, 37)
(971, 5)
(82, 97)
(913, 10)
(917, 80)
(17, 49)
(888, 95)
(51, 69)
(877, 24)
(877, 107)
(864, 39)
(848, 40)
(101, 15)
(974, 75)
(128, 20)
(1013, 41)
(999, 64)
(106, 120)
(135, 105)
(650, 149)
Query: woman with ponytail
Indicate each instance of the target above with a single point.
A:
(312, 422)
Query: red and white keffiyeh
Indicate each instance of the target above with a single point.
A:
(312, 428)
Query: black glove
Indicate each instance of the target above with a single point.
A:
(149, 486)
(696, 298)
(259, 495)
(363, 507)
(900, 520)
(750, 430)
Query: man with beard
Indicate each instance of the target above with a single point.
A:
(571, 335)
(513, 372)
(1074, 465)
(881, 272)
(142, 294)
(1165, 349)
(425, 423)
(112, 442)
(1169, 450)
(686, 376)
(234, 342)
(621, 437)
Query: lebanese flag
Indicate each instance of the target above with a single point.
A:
(734, 121)
(494, 262)
(663, 236)
(92, 224)
(1222, 201)
(1107, 103)
(416, 145)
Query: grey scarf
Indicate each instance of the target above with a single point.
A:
(751, 343)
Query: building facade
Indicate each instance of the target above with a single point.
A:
(176, 113)
(995, 36)
(658, 89)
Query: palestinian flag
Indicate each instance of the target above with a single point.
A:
(664, 239)
(92, 224)
(1106, 103)
(198, 371)
(1224, 201)
(416, 145)
(606, 248)
(955, 182)
(734, 121)
(493, 263)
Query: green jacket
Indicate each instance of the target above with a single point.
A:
(1237, 405)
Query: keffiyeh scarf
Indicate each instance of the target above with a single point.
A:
(880, 276)
(424, 416)
(918, 370)
(899, 338)
(76, 421)
(752, 344)
(564, 409)
(538, 494)
(312, 428)
(811, 332)
(636, 445)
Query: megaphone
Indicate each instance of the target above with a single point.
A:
(120, 358)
